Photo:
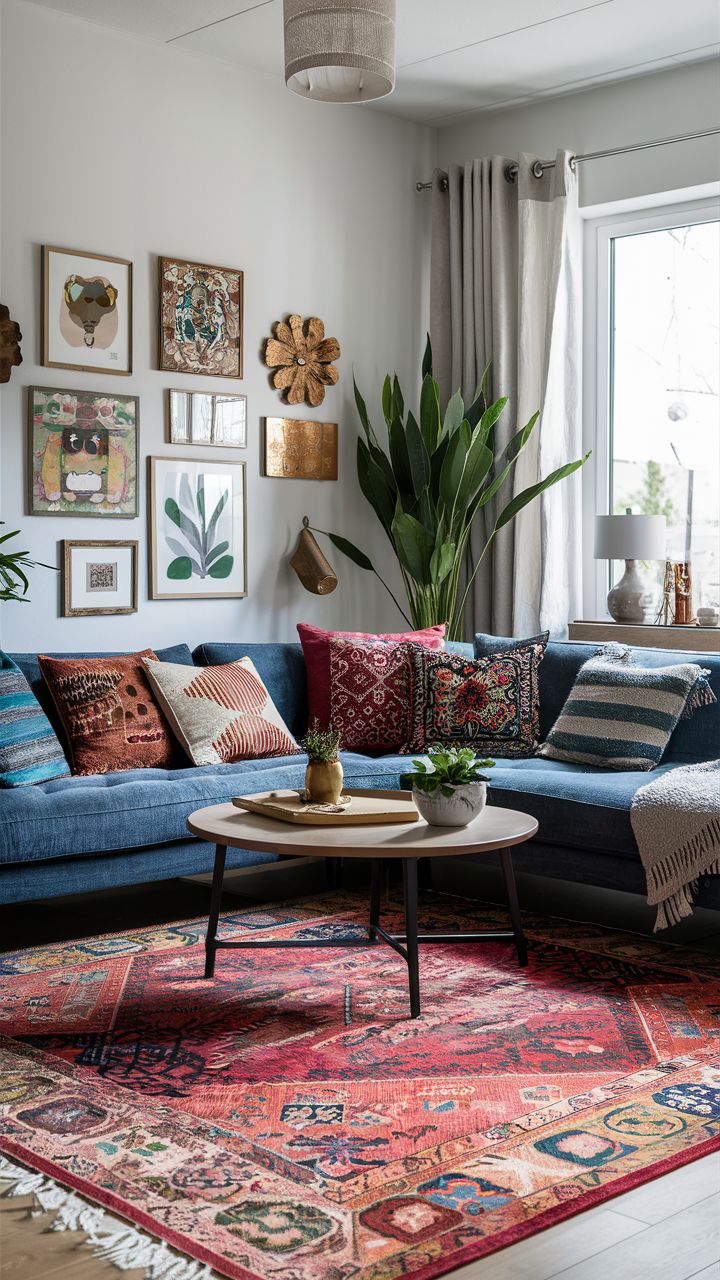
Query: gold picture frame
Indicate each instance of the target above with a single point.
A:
(296, 449)
(87, 310)
(97, 574)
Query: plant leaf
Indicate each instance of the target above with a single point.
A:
(418, 455)
(400, 459)
(184, 524)
(182, 554)
(442, 561)
(454, 414)
(374, 486)
(453, 466)
(414, 546)
(180, 570)
(387, 400)
(216, 551)
(427, 358)
(528, 495)
(222, 568)
(363, 415)
(353, 553)
(430, 413)
(220, 507)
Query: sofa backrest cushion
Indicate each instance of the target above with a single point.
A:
(694, 739)
(30, 668)
(281, 668)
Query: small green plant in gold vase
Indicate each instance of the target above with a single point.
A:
(324, 773)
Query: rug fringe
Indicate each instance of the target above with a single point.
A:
(109, 1238)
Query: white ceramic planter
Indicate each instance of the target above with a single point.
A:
(457, 810)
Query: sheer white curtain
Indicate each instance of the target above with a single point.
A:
(506, 288)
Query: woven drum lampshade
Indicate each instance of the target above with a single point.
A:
(340, 50)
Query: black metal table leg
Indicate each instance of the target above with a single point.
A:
(215, 897)
(513, 905)
(376, 871)
(411, 932)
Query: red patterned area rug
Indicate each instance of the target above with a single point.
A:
(289, 1119)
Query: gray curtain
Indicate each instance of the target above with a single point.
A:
(505, 288)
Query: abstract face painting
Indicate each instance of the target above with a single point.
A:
(83, 453)
(200, 319)
(87, 311)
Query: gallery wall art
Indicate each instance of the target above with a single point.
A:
(196, 417)
(87, 311)
(198, 529)
(201, 319)
(298, 450)
(99, 577)
(83, 453)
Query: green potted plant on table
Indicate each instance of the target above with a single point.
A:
(324, 773)
(449, 789)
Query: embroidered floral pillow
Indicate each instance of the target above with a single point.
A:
(491, 704)
(370, 703)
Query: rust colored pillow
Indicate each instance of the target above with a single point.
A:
(316, 651)
(371, 695)
(109, 713)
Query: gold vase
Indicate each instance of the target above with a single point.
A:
(324, 781)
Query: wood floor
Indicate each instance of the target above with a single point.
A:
(668, 1229)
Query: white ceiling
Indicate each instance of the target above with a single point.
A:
(453, 56)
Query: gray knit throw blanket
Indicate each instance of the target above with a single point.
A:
(676, 821)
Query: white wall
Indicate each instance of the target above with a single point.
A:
(135, 150)
(682, 100)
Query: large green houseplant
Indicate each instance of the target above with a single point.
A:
(13, 578)
(429, 484)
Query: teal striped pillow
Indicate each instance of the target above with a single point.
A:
(29, 748)
(619, 716)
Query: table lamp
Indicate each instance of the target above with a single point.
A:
(630, 538)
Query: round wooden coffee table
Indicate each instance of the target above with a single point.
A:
(494, 829)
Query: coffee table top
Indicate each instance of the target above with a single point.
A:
(494, 828)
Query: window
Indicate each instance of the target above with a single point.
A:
(657, 374)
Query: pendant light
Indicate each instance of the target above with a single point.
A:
(340, 50)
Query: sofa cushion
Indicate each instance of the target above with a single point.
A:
(30, 667)
(695, 739)
(281, 668)
(219, 714)
(111, 719)
(29, 748)
(70, 817)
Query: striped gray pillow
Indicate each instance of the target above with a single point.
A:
(620, 716)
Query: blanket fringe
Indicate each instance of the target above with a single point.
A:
(107, 1237)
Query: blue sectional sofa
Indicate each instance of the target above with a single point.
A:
(77, 834)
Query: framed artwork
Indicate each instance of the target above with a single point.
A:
(297, 450)
(83, 453)
(87, 311)
(198, 417)
(201, 319)
(198, 529)
(99, 577)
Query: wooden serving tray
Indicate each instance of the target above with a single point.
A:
(365, 808)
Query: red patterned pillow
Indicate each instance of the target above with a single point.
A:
(491, 704)
(370, 703)
(316, 651)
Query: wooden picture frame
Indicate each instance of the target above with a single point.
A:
(108, 425)
(196, 418)
(104, 576)
(95, 323)
(200, 319)
(190, 540)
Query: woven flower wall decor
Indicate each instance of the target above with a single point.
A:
(302, 357)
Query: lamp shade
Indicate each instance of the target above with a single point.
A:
(340, 50)
(630, 537)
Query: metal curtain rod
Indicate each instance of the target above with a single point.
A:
(540, 166)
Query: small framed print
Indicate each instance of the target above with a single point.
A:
(201, 319)
(83, 449)
(87, 311)
(198, 529)
(297, 450)
(199, 417)
(99, 578)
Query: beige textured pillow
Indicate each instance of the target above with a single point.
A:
(220, 714)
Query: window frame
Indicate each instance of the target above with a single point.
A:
(599, 234)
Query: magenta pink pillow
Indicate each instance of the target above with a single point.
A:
(316, 650)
